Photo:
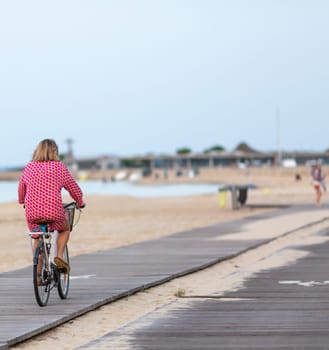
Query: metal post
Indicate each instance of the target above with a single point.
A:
(234, 197)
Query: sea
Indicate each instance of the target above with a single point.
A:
(8, 189)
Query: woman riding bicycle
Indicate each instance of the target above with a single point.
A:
(40, 189)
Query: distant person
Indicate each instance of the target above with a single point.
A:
(318, 181)
(39, 190)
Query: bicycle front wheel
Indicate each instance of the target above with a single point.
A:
(40, 277)
(64, 278)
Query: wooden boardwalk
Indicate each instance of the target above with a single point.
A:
(284, 308)
(105, 276)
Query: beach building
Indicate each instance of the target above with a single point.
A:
(108, 162)
(242, 156)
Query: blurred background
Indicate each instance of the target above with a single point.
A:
(120, 81)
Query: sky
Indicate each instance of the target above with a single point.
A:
(131, 77)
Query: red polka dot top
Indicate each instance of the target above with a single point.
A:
(40, 189)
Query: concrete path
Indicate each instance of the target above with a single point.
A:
(105, 276)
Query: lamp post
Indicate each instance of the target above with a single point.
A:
(69, 157)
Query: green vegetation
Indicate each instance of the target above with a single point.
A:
(180, 293)
(184, 150)
(216, 148)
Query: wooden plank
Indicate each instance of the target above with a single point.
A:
(112, 274)
(277, 316)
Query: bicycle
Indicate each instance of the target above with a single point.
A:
(46, 275)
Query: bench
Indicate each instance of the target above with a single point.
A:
(239, 194)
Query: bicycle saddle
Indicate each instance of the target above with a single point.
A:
(43, 221)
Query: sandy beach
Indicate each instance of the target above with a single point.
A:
(109, 222)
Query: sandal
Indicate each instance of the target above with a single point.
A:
(62, 264)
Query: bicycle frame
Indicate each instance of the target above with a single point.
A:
(46, 275)
(47, 242)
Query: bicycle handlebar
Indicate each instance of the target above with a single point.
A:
(73, 204)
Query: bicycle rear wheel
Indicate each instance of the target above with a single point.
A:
(40, 277)
(64, 278)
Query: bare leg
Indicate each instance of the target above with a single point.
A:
(62, 239)
(318, 195)
(34, 244)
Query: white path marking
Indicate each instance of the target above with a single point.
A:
(306, 283)
(81, 277)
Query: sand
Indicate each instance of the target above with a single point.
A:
(109, 222)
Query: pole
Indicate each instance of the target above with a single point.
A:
(278, 138)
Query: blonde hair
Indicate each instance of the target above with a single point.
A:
(46, 150)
